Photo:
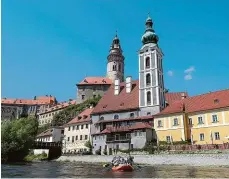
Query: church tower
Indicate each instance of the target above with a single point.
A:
(151, 82)
(115, 63)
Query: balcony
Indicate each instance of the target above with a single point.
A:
(118, 139)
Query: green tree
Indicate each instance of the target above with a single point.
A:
(72, 111)
(17, 138)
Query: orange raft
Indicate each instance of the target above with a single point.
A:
(123, 168)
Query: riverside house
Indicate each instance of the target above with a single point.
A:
(77, 132)
(54, 134)
(202, 119)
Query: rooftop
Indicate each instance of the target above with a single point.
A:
(95, 81)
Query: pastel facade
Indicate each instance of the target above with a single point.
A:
(77, 132)
(54, 134)
(202, 119)
(47, 115)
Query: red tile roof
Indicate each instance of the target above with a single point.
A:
(171, 97)
(123, 101)
(95, 81)
(58, 106)
(126, 101)
(207, 101)
(84, 116)
(38, 100)
(139, 125)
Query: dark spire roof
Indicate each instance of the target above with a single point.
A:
(149, 36)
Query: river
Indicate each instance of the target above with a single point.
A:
(85, 170)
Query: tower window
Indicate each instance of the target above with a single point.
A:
(119, 67)
(148, 98)
(114, 67)
(148, 79)
(147, 62)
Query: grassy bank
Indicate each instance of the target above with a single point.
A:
(32, 157)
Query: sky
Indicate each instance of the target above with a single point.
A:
(49, 46)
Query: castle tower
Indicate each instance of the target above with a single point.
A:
(151, 82)
(115, 63)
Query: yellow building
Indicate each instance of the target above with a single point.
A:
(203, 119)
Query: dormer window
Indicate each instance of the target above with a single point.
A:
(131, 115)
(79, 117)
(101, 118)
(84, 116)
(216, 101)
(116, 116)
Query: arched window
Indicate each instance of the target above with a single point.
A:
(116, 116)
(114, 67)
(148, 79)
(147, 62)
(149, 98)
(101, 118)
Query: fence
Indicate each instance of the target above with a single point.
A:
(200, 147)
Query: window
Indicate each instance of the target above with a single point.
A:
(200, 120)
(135, 133)
(140, 133)
(148, 79)
(95, 137)
(147, 62)
(148, 113)
(114, 67)
(81, 137)
(73, 127)
(168, 139)
(190, 121)
(85, 137)
(132, 115)
(77, 137)
(159, 123)
(62, 131)
(101, 118)
(82, 97)
(86, 126)
(117, 147)
(214, 118)
(72, 139)
(94, 89)
(217, 137)
(81, 126)
(116, 116)
(201, 137)
(148, 98)
(77, 127)
(131, 146)
(94, 96)
(69, 128)
(175, 122)
(49, 114)
(119, 67)
(68, 138)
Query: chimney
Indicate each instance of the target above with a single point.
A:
(117, 87)
(183, 96)
(128, 84)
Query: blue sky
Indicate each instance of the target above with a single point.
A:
(49, 46)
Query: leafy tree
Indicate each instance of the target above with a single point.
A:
(72, 111)
(17, 138)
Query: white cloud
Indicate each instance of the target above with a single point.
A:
(190, 70)
(188, 77)
(170, 73)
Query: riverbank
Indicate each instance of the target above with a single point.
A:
(175, 159)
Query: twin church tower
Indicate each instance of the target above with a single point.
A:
(151, 81)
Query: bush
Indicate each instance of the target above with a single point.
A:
(98, 152)
(17, 138)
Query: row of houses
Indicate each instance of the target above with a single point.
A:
(132, 113)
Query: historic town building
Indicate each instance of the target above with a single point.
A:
(123, 118)
(91, 87)
(54, 134)
(77, 132)
(46, 116)
(202, 119)
(15, 108)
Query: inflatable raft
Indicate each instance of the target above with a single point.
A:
(122, 168)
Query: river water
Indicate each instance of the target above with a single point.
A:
(88, 170)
